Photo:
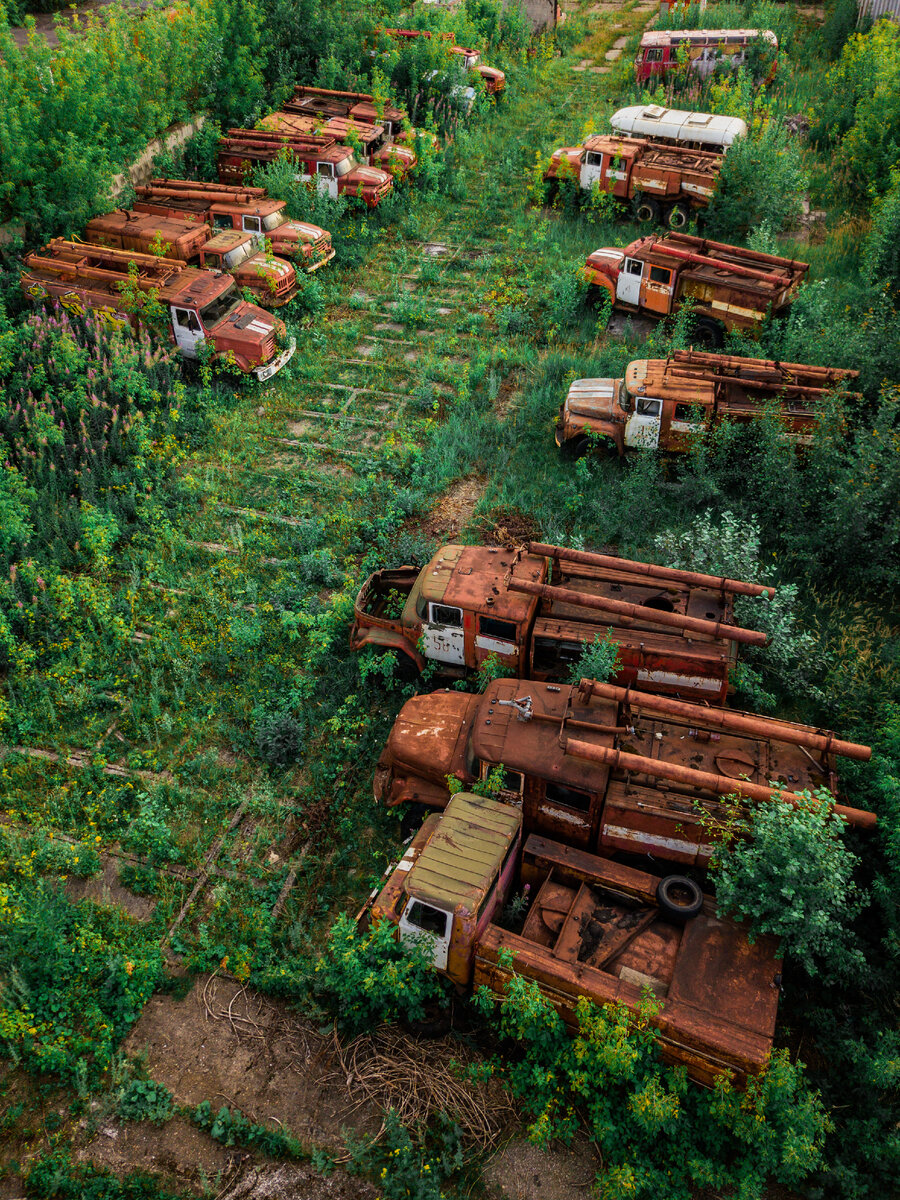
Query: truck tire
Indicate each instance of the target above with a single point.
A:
(679, 897)
(406, 670)
(646, 210)
(708, 334)
(579, 447)
(678, 217)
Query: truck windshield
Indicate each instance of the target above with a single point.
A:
(219, 308)
(239, 254)
(623, 398)
(272, 221)
(346, 165)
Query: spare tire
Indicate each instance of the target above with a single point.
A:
(679, 897)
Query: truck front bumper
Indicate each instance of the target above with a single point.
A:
(267, 370)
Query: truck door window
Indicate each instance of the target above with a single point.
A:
(570, 797)
(325, 169)
(594, 160)
(511, 781)
(213, 260)
(187, 319)
(222, 221)
(649, 408)
(660, 275)
(684, 412)
(426, 918)
(441, 614)
(491, 627)
(252, 225)
(654, 56)
(633, 266)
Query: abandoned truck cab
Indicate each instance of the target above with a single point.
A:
(593, 929)
(603, 768)
(675, 629)
(370, 141)
(663, 403)
(729, 287)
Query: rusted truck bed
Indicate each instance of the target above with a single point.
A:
(596, 929)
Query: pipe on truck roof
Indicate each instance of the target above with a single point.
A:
(720, 264)
(826, 743)
(723, 785)
(716, 629)
(694, 578)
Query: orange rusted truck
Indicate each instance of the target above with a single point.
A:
(494, 79)
(271, 280)
(661, 183)
(241, 210)
(664, 403)
(728, 287)
(370, 141)
(319, 159)
(535, 608)
(361, 106)
(603, 768)
(594, 929)
(201, 307)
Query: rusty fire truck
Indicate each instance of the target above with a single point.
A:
(361, 106)
(607, 769)
(594, 928)
(370, 141)
(494, 79)
(201, 306)
(729, 287)
(675, 629)
(319, 160)
(243, 210)
(664, 403)
(271, 280)
(662, 183)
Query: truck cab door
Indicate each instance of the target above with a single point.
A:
(628, 285)
(684, 426)
(423, 922)
(656, 292)
(188, 331)
(444, 635)
(253, 226)
(592, 171)
(643, 426)
(565, 813)
(326, 183)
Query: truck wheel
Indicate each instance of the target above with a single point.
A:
(580, 447)
(406, 670)
(679, 897)
(678, 216)
(708, 334)
(646, 211)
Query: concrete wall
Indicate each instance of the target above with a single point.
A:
(141, 170)
(540, 13)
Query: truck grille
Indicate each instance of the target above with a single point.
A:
(320, 248)
(268, 348)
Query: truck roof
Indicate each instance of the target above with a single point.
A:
(195, 287)
(123, 221)
(465, 853)
(227, 240)
(705, 37)
(652, 120)
(536, 745)
(653, 153)
(782, 273)
(474, 578)
(337, 127)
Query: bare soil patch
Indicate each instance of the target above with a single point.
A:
(506, 526)
(522, 1171)
(106, 889)
(453, 511)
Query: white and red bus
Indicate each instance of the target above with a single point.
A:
(663, 50)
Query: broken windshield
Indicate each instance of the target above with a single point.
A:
(219, 308)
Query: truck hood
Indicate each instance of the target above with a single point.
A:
(400, 158)
(369, 177)
(593, 398)
(567, 159)
(250, 328)
(301, 231)
(429, 734)
(491, 74)
(608, 257)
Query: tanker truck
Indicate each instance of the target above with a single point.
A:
(607, 769)
(675, 629)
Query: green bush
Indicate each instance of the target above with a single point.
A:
(370, 978)
(54, 1176)
(145, 1100)
(788, 872)
(881, 255)
(230, 1127)
(600, 659)
(762, 179)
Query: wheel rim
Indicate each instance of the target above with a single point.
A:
(645, 214)
(678, 218)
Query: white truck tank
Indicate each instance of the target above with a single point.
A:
(674, 125)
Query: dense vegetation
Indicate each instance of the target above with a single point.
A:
(179, 556)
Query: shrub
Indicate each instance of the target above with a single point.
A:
(600, 659)
(762, 179)
(145, 1100)
(789, 873)
(881, 255)
(280, 739)
(369, 978)
(54, 1176)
